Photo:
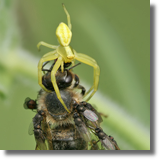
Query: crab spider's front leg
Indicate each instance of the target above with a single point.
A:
(88, 60)
(40, 64)
(53, 80)
(46, 45)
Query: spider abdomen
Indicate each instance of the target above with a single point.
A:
(63, 34)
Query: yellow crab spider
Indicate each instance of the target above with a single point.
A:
(65, 54)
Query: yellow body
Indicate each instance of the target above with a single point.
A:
(65, 54)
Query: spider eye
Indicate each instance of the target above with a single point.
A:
(63, 34)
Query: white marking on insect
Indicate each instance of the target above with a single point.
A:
(90, 115)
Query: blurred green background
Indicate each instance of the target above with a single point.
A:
(116, 33)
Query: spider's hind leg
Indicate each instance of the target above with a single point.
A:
(68, 17)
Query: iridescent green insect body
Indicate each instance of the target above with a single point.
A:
(65, 54)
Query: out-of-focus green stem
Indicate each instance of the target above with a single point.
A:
(127, 127)
(19, 61)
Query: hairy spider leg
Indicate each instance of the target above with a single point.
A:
(46, 45)
(53, 80)
(68, 17)
(40, 64)
(91, 62)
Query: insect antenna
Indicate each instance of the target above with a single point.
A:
(74, 66)
(49, 70)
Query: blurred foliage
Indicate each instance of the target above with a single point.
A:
(114, 32)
